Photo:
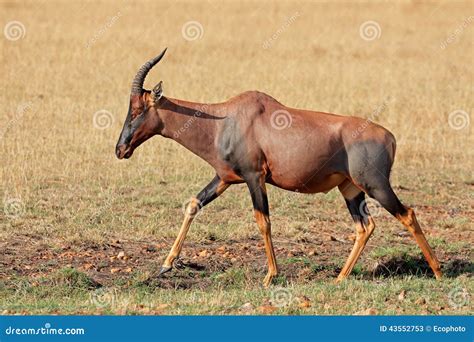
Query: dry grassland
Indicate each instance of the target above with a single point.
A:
(70, 207)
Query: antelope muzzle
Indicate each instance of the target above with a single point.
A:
(123, 151)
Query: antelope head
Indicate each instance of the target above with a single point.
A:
(142, 120)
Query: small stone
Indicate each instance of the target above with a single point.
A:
(267, 309)
(420, 301)
(304, 302)
(247, 307)
(203, 253)
(366, 312)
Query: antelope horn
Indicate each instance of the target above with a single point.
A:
(137, 84)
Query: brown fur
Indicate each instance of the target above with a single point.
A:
(253, 138)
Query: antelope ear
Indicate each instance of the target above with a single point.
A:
(157, 91)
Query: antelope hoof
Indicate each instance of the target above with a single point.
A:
(339, 279)
(268, 280)
(163, 270)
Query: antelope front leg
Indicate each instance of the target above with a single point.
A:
(364, 228)
(215, 188)
(191, 210)
(258, 192)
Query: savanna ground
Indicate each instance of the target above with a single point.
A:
(81, 230)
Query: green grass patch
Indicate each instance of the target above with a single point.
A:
(231, 290)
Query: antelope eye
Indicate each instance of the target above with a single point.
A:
(137, 114)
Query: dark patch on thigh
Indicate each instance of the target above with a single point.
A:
(369, 164)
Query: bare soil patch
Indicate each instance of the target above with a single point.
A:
(125, 261)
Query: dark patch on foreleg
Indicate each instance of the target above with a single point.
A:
(364, 227)
(256, 185)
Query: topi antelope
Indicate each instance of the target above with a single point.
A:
(254, 139)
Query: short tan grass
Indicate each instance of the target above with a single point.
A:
(64, 171)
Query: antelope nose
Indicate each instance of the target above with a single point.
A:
(120, 151)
